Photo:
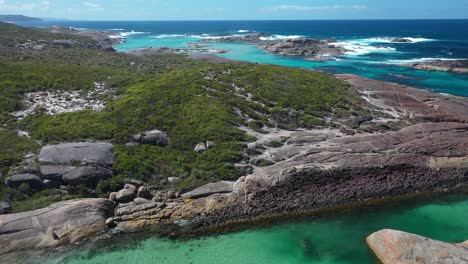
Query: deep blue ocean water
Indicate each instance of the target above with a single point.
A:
(372, 54)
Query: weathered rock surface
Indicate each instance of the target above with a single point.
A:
(125, 195)
(209, 189)
(56, 172)
(31, 179)
(144, 192)
(396, 247)
(85, 152)
(59, 224)
(154, 137)
(87, 175)
(302, 47)
(460, 66)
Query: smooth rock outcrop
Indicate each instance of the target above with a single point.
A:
(32, 180)
(87, 175)
(59, 224)
(83, 153)
(396, 247)
(209, 189)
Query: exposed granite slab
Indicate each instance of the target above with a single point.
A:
(84, 152)
(59, 224)
(396, 247)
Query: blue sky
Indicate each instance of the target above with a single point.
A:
(236, 9)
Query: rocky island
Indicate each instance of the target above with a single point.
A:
(306, 47)
(186, 146)
(458, 66)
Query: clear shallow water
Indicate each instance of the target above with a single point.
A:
(335, 239)
(372, 55)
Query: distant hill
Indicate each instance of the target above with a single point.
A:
(18, 18)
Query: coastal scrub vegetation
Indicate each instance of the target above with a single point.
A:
(192, 101)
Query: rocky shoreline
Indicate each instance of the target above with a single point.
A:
(458, 66)
(312, 170)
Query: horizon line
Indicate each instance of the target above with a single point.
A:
(214, 20)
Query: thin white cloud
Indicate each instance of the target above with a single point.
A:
(313, 8)
(93, 7)
(17, 7)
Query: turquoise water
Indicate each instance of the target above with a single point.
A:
(338, 239)
(440, 82)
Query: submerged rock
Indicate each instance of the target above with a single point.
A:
(59, 224)
(396, 247)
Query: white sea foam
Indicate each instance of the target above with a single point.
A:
(281, 37)
(117, 29)
(357, 48)
(162, 36)
(127, 34)
(418, 60)
(244, 31)
(392, 40)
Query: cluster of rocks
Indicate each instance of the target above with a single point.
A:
(302, 47)
(57, 102)
(65, 164)
(204, 146)
(132, 193)
(321, 49)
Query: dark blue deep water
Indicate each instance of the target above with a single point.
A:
(371, 52)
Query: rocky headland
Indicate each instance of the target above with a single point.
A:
(458, 66)
(307, 170)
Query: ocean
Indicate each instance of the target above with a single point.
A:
(371, 54)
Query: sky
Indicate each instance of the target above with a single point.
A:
(236, 9)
